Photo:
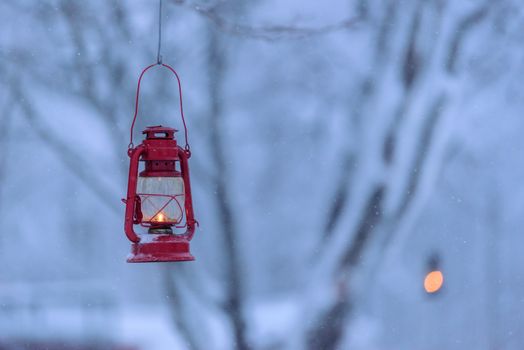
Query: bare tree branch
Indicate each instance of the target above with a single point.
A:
(328, 329)
(5, 124)
(328, 334)
(366, 90)
(234, 303)
(68, 157)
(336, 316)
(268, 33)
(340, 196)
(425, 142)
(370, 220)
(463, 29)
(412, 60)
(174, 299)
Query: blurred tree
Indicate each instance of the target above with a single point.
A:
(392, 76)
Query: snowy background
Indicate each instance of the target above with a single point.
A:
(340, 149)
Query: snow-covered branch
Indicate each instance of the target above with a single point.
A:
(268, 32)
(68, 157)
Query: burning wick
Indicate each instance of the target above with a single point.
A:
(433, 281)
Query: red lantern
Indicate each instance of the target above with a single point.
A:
(159, 196)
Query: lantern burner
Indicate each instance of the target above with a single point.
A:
(159, 230)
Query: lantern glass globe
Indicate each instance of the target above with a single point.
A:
(162, 199)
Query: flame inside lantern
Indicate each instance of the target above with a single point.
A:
(160, 217)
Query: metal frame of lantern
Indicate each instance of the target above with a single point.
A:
(165, 168)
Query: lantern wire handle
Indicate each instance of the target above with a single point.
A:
(131, 145)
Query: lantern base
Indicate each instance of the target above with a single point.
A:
(160, 251)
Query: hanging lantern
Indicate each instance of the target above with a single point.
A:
(159, 193)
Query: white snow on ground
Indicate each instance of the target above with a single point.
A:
(271, 320)
(148, 327)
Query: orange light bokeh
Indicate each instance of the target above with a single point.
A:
(433, 281)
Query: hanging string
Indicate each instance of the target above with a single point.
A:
(158, 55)
(159, 63)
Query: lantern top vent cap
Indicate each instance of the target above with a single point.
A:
(159, 132)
